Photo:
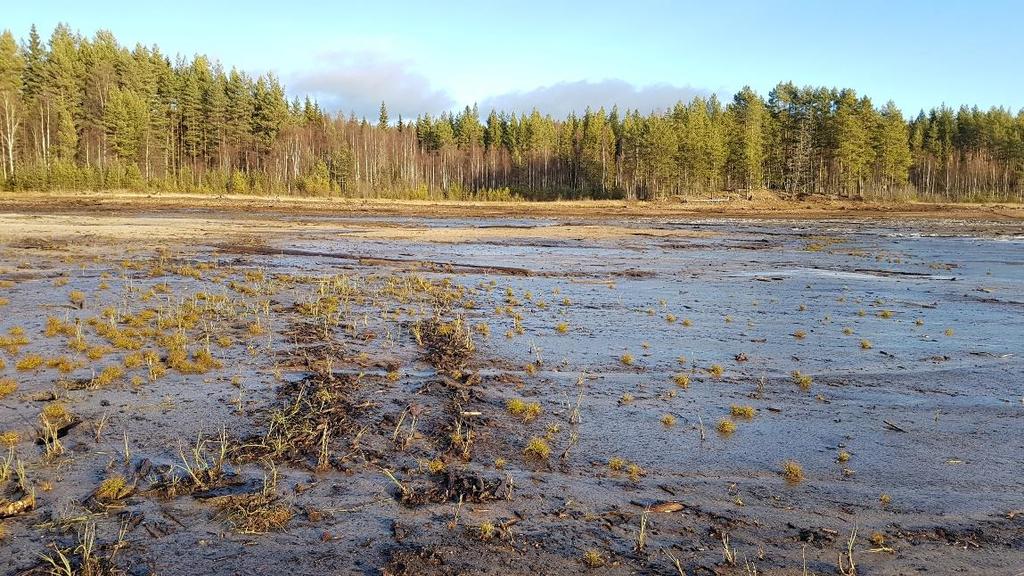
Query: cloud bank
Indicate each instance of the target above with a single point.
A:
(357, 81)
(564, 97)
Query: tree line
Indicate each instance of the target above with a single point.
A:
(89, 113)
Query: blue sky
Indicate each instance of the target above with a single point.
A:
(428, 56)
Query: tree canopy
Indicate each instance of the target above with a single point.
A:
(78, 112)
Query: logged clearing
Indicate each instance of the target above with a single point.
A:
(352, 387)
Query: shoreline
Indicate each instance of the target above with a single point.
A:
(121, 202)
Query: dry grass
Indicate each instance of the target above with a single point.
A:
(592, 558)
(9, 438)
(107, 376)
(29, 362)
(682, 380)
(792, 471)
(255, 513)
(7, 387)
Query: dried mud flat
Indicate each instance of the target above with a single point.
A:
(226, 393)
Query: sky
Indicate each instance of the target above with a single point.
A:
(557, 55)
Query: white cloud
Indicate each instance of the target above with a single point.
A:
(358, 80)
(564, 97)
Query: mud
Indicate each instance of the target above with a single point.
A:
(313, 393)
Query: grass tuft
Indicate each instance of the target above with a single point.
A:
(726, 427)
(526, 411)
(742, 412)
(802, 380)
(537, 447)
(792, 471)
(7, 387)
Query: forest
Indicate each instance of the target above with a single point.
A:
(88, 113)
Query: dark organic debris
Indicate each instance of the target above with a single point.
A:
(453, 486)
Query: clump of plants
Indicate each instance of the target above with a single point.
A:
(486, 531)
(792, 471)
(29, 362)
(742, 412)
(592, 558)
(7, 387)
(802, 380)
(525, 411)
(255, 513)
(537, 447)
(77, 297)
(108, 376)
(113, 490)
(682, 380)
(448, 344)
(726, 427)
(716, 370)
(635, 472)
(9, 438)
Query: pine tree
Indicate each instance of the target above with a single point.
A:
(892, 151)
(852, 141)
(746, 139)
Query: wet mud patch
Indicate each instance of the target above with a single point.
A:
(776, 395)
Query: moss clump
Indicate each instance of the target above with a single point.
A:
(526, 411)
(742, 412)
(538, 448)
(802, 380)
(726, 427)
